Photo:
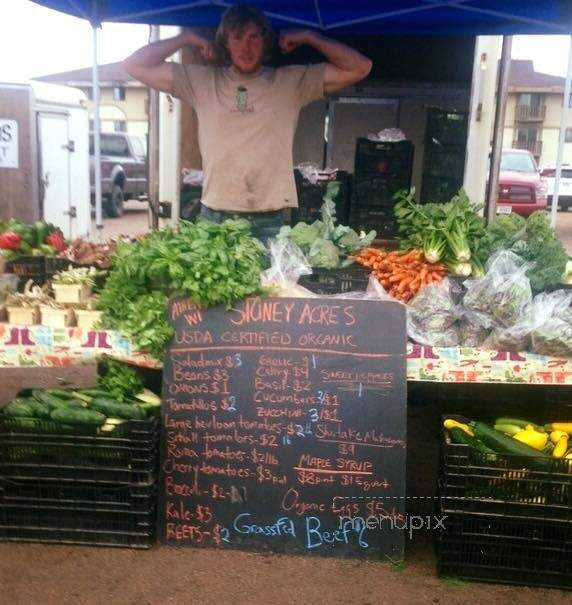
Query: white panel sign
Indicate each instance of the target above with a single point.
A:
(8, 144)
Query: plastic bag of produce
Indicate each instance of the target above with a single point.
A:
(288, 263)
(552, 332)
(502, 295)
(432, 316)
(541, 328)
(471, 333)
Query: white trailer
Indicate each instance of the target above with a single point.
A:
(45, 170)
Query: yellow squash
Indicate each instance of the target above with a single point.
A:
(451, 424)
(532, 438)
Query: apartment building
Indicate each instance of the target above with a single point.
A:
(123, 103)
(533, 112)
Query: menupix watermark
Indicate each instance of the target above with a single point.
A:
(409, 523)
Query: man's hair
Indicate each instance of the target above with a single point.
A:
(235, 19)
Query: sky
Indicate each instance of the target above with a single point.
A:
(37, 41)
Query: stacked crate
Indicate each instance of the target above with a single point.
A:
(311, 196)
(505, 521)
(444, 155)
(78, 485)
(381, 170)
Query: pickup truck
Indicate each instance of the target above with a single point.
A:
(123, 171)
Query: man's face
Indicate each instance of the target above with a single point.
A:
(246, 48)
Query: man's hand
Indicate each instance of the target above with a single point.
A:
(204, 46)
(293, 38)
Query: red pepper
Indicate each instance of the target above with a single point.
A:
(10, 241)
(56, 240)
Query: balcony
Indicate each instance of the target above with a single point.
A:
(530, 113)
(535, 147)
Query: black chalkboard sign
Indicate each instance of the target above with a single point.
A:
(285, 426)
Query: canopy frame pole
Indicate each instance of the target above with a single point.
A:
(561, 138)
(153, 143)
(96, 138)
(500, 111)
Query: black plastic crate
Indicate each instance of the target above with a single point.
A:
(76, 516)
(130, 431)
(378, 191)
(446, 127)
(507, 550)
(440, 189)
(336, 281)
(134, 497)
(444, 161)
(383, 158)
(36, 451)
(311, 198)
(48, 535)
(471, 481)
(378, 218)
(27, 266)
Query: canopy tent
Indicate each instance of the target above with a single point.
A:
(462, 17)
(337, 17)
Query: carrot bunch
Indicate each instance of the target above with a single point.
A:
(402, 275)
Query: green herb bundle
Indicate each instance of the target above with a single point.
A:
(211, 263)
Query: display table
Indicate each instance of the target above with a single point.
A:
(52, 347)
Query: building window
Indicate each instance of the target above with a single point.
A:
(531, 99)
(119, 93)
(527, 135)
(568, 135)
(120, 126)
(91, 125)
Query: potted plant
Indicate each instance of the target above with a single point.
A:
(23, 307)
(56, 315)
(74, 285)
(87, 315)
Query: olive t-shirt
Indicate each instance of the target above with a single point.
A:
(246, 131)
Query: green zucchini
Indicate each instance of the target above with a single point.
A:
(460, 436)
(508, 429)
(517, 422)
(56, 402)
(117, 410)
(502, 444)
(76, 416)
(19, 408)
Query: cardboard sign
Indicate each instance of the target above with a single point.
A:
(8, 144)
(285, 426)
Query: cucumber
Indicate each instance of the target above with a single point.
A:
(56, 402)
(97, 393)
(41, 410)
(83, 396)
(518, 422)
(458, 435)
(19, 408)
(117, 410)
(61, 393)
(501, 444)
(77, 416)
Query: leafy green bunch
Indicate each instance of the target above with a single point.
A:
(325, 244)
(208, 262)
(534, 241)
(448, 232)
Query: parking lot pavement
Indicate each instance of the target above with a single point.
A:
(135, 221)
(564, 229)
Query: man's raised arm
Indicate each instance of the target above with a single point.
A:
(345, 66)
(148, 64)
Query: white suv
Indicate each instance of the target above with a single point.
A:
(565, 190)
